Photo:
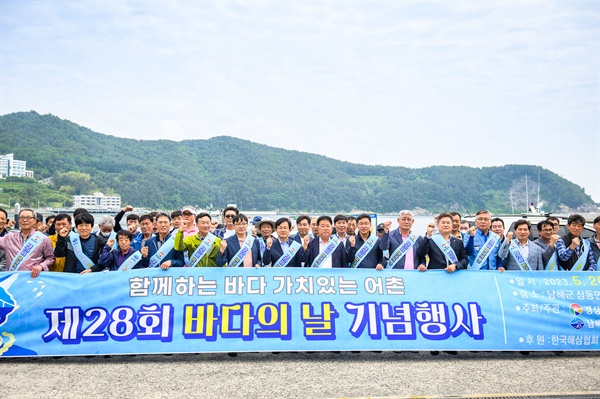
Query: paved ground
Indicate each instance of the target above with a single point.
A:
(299, 375)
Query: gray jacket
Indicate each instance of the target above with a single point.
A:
(534, 258)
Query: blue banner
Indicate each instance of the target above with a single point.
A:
(246, 309)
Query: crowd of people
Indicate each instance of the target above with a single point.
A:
(78, 243)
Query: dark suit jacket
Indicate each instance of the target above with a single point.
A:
(371, 260)
(338, 257)
(176, 257)
(437, 259)
(272, 255)
(393, 240)
(233, 246)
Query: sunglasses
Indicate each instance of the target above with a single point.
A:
(229, 216)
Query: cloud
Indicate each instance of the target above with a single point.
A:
(439, 78)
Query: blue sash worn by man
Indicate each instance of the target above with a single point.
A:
(230, 248)
(161, 247)
(520, 253)
(82, 249)
(547, 242)
(483, 245)
(444, 251)
(363, 250)
(324, 251)
(284, 250)
(401, 243)
(574, 252)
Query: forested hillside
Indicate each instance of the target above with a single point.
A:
(167, 174)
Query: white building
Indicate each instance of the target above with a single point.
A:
(98, 200)
(9, 166)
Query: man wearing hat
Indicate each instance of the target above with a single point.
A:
(255, 220)
(266, 227)
(188, 226)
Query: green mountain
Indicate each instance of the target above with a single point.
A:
(168, 174)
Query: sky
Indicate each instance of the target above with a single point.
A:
(404, 83)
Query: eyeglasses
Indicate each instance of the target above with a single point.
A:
(26, 218)
(230, 216)
(241, 224)
(547, 230)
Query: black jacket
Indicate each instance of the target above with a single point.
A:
(65, 249)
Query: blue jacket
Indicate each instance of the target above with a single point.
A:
(233, 246)
(371, 260)
(272, 255)
(176, 257)
(534, 258)
(474, 245)
(393, 240)
(136, 241)
(338, 257)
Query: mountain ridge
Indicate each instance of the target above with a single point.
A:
(225, 169)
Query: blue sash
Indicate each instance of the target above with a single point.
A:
(131, 261)
(340, 238)
(580, 264)
(326, 253)
(402, 250)
(263, 246)
(203, 249)
(113, 236)
(445, 247)
(288, 255)
(158, 257)
(553, 263)
(485, 251)
(31, 244)
(518, 256)
(364, 250)
(241, 254)
(81, 257)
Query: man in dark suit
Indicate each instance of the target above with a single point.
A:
(231, 246)
(317, 246)
(373, 259)
(172, 258)
(392, 239)
(277, 247)
(456, 257)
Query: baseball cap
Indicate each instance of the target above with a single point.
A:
(189, 209)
